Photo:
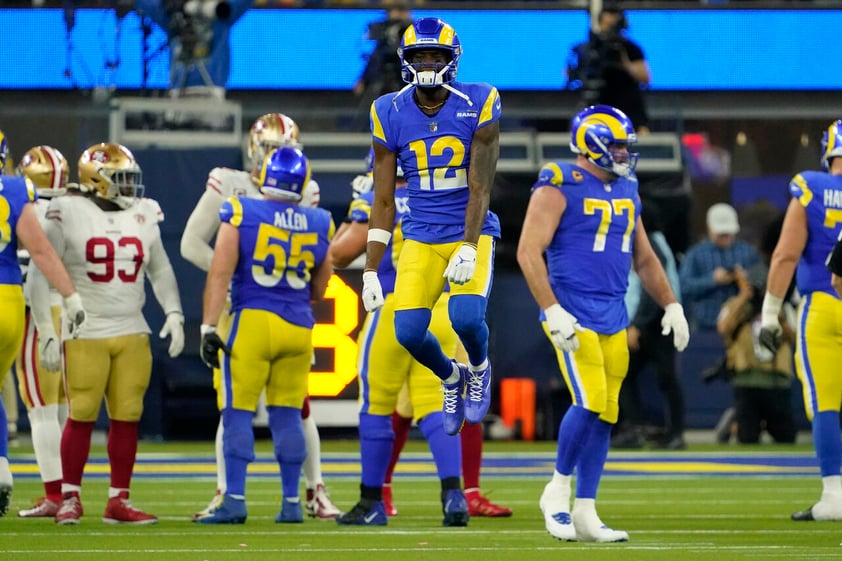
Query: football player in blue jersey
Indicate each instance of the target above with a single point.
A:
(19, 225)
(445, 136)
(812, 224)
(384, 368)
(272, 252)
(585, 217)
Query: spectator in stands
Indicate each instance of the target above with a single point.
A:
(708, 272)
(611, 69)
(762, 379)
(648, 345)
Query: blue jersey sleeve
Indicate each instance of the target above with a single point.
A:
(231, 212)
(15, 193)
(360, 209)
(491, 107)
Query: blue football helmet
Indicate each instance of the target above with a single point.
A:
(429, 33)
(284, 173)
(831, 144)
(597, 131)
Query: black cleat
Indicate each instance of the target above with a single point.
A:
(363, 516)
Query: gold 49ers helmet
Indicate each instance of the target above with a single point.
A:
(47, 168)
(272, 130)
(110, 171)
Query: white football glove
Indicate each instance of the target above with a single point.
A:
(49, 350)
(76, 315)
(461, 267)
(372, 291)
(563, 327)
(362, 184)
(174, 327)
(770, 323)
(675, 322)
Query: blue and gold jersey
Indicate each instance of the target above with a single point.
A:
(821, 196)
(589, 257)
(15, 192)
(435, 154)
(360, 211)
(280, 245)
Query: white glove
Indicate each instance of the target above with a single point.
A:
(675, 322)
(49, 350)
(770, 323)
(461, 267)
(75, 314)
(563, 327)
(174, 327)
(372, 291)
(362, 184)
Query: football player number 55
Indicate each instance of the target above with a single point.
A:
(5, 227)
(294, 266)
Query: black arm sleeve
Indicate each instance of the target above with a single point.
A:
(834, 260)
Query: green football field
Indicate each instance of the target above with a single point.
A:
(711, 503)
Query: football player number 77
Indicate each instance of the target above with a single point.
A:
(608, 210)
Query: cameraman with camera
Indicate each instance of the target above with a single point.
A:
(382, 72)
(610, 68)
(762, 379)
(198, 37)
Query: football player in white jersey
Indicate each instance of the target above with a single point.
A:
(268, 131)
(109, 240)
(40, 388)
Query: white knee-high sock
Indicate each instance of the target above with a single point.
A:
(312, 467)
(46, 441)
(221, 484)
(62, 414)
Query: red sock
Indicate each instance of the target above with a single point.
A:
(52, 490)
(400, 426)
(471, 454)
(75, 447)
(122, 450)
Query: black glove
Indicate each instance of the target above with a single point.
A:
(769, 339)
(211, 345)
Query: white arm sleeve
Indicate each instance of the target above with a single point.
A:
(39, 300)
(200, 229)
(37, 285)
(162, 278)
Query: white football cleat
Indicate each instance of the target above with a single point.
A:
(319, 505)
(828, 509)
(215, 503)
(555, 506)
(589, 528)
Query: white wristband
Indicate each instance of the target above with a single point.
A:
(771, 306)
(379, 235)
